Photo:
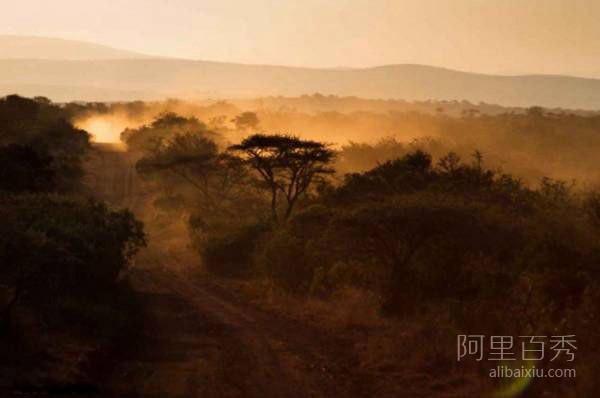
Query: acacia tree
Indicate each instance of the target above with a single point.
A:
(167, 125)
(246, 121)
(218, 179)
(287, 165)
(422, 240)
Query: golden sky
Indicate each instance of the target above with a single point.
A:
(490, 36)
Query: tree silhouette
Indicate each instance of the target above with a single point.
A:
(193, 158)
(246, 121)
(287, 164)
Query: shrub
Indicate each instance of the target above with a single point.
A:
(230, 252)
(52, 247)
(285, 262)
(41, 145)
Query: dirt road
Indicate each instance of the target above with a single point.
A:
(200, 340)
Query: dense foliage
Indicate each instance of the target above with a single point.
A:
(473, 248)
(39, 142)
(488, 254)
(62, 254)
(52, 248)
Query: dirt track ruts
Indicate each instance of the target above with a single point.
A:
(201, 340)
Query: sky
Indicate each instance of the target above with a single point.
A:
(487, 36)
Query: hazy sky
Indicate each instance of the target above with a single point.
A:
(496, 36)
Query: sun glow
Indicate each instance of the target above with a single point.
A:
(104, 129)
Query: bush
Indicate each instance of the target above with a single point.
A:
(230, 253)
(52, 247)
(24, 170)
(40, 145)
(61, 261)
(285, 263)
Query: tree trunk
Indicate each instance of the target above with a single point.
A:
(290, 207)
(274, 203)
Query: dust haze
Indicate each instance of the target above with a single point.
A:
(299, 199)
(531, 142)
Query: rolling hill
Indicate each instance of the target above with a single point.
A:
(31, 47)
(81, 71)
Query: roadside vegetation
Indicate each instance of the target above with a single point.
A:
(394, 246)
(425, 248)
(63, 301)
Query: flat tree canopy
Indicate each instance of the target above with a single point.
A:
(287, 164)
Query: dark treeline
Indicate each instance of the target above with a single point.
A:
(318, 103)
(61, 254)
(531, 143)
(451, 244)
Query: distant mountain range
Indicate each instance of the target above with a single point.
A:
(31, 47)
(67, 70)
